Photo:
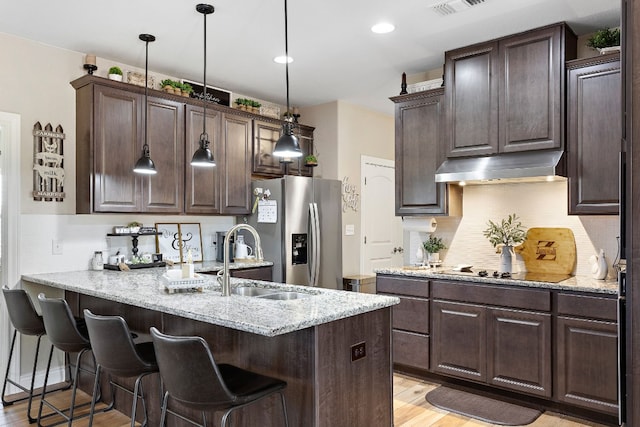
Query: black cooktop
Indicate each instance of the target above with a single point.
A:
(526, 276)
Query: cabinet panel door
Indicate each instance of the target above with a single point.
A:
(586, 364)
(531, 97)
(116, 150)
(257, 273)
(418, 135)
(519, 351)
(265, 136)
(236, 164)
(164, 191)
(411, 349)
(458, 333)
(594, 133)
(202, 187)
(471, 99)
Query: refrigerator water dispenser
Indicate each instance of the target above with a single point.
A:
(299, 248)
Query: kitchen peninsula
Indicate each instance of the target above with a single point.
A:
(308, 342)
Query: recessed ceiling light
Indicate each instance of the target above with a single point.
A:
(383, 28)
(283, 59)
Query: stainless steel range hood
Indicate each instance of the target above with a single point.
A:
(523, 166)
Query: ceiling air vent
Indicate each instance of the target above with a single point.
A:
(454, 6)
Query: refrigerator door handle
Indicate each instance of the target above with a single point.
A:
(314, 231)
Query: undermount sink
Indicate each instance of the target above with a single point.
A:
(252, 291)
(264, 293)
(283, 296)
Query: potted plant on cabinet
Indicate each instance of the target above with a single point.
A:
(310, 161)
(115, 73)
(605, 40)
(186, 89)
(505, 234)
(432, 246)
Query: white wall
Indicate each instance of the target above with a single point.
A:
(541, 204)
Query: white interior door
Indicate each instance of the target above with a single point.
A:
(9, 225)
(381, 230)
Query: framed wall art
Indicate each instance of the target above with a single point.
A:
(191, 238)
(168, 242)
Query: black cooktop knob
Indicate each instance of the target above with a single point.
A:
(496, 274)
(483, 273)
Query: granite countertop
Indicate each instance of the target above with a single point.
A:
(144, 288)
(574, 283)
(215, 266)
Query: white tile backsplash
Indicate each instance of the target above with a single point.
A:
(539, 204)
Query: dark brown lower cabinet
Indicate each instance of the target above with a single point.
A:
(459, 340)
(255, 273)
(587, 354)
(410, 334)
(519, 351)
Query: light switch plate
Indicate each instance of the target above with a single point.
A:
(349, 230)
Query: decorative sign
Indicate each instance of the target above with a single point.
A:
(214, 95)
(176, 240)
(268, 211)
(48, 163)
(191, 238)
(350, 196)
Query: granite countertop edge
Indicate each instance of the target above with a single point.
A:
(575, 283)
(144, 288)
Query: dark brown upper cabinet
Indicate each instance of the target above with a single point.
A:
(266, 134)
(419, 150)
(507, 95)
(594, 131)
(109, 139)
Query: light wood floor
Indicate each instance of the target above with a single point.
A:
(410, 410)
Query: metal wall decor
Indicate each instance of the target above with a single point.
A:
(48, 163)
(350, 195)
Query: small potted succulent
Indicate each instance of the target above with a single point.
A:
(432, 246)
(186, 89)
(167, 85)
(310, 160)
(115, 73)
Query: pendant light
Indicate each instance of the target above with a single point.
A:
(288, 145)
(145, 165)
(203, 157)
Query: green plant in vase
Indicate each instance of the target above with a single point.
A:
(115, 73)
(505, 234)
(432, 247)
(604, 38)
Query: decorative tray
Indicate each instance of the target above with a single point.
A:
(175, 283)
(134, 266)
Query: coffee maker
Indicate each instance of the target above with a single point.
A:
(220, 237)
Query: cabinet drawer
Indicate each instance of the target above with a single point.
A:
(528, 299)
(412, 314)
(411, 349)
(588, 306)
(402, 286)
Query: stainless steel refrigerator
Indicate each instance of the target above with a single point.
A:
(305, 241)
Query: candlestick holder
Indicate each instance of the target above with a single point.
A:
(90, 68)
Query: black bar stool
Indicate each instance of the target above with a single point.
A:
(115, 352)
(25, 320)
(68, 334)
(191, 376)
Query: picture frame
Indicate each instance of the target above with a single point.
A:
(191, 238)
(176, 239)
(168, 241)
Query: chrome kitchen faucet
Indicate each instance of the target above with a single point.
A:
(226, 288)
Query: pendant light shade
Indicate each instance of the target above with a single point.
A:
(145, 165)
(287, 145)
(203, 157)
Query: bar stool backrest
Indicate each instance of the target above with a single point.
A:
(189, 371)
(61, 326)
(22, 313)
(113, 346)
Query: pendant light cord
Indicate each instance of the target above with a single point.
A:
(146, 89)
(286, 54)
(204, 117)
